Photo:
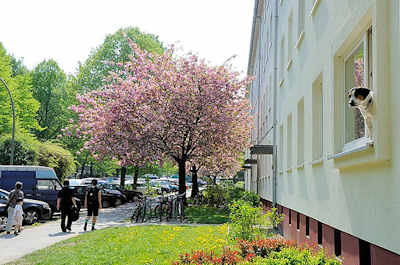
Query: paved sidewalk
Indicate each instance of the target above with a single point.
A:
(35, 238)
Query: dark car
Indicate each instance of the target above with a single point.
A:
(108, 199)
(129, 194)
(3, 217)
(33, 210)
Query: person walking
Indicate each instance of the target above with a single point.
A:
(92, 203)
(18, 216)
(15, 194)
(65, 200)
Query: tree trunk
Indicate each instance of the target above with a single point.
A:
(135, 178)
(195, 184)
(91, 171)
(123, 174)
(83, 170)
(215, 180)
(182, 176)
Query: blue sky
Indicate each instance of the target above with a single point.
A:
(67, 30)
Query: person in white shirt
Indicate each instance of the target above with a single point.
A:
(18, 216)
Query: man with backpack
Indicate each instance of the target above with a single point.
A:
(92, 203)
(65, 200)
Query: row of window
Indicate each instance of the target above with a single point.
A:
(364, 247)
(357, 72)
(291, 36)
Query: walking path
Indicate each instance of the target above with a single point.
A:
(35, 238)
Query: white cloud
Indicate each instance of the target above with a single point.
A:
(67, 30)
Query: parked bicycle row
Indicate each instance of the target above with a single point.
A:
(159, 208)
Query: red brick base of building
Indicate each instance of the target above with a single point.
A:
(349, 249)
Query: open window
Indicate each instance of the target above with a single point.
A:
(357, 74)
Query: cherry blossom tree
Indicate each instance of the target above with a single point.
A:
(166, 105)
(189, 109)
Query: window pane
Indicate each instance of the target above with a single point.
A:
(354, 68)
(45, 185)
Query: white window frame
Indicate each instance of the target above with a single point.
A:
(363, 141)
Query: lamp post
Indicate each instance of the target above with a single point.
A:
(13, 126)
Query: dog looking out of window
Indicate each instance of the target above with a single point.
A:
(363, 99)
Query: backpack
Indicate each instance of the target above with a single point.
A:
(93, 196)
(75, 213)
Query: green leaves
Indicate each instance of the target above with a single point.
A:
(20, 83)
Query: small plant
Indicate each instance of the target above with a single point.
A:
(252, 198)
(274, 217)
(245, 221)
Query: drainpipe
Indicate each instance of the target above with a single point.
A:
(259, 45)
(275, 122)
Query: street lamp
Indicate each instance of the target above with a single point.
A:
(13, 128)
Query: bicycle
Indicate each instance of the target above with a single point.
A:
(139, 213)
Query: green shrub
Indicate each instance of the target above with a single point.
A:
(26, 150)
(274, 217)
(215, 195)
(289, 256)
(56, 157)
(245, 221)
(240, 185)
(235, 193)
(252, 198)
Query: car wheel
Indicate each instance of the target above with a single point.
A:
(118, 202)
(106, 204)
(31, 217)
(3, 222)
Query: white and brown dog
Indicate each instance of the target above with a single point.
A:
(363, 99)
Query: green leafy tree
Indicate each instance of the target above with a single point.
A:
(115, 48)
(17, 66)
(20, 85)
(50, 88)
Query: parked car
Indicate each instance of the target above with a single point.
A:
(162, 185)
(3, 217)
(39, 183)
(33, 210)
(108, 198)
(129, 194)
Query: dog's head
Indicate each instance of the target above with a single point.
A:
(359, 96)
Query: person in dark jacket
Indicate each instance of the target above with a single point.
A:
(65, 201)
(92, 203)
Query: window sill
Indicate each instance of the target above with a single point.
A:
(300, 166)
(315, 7)
(300, 40)
(317, 162)
(289, 64)
(349, 151)
(358, 156)
(281, 83)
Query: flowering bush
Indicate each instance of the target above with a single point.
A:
(200, 257)
(263, 247)
(261, 252)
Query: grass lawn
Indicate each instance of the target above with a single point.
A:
(131, 245)
(206, 215)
